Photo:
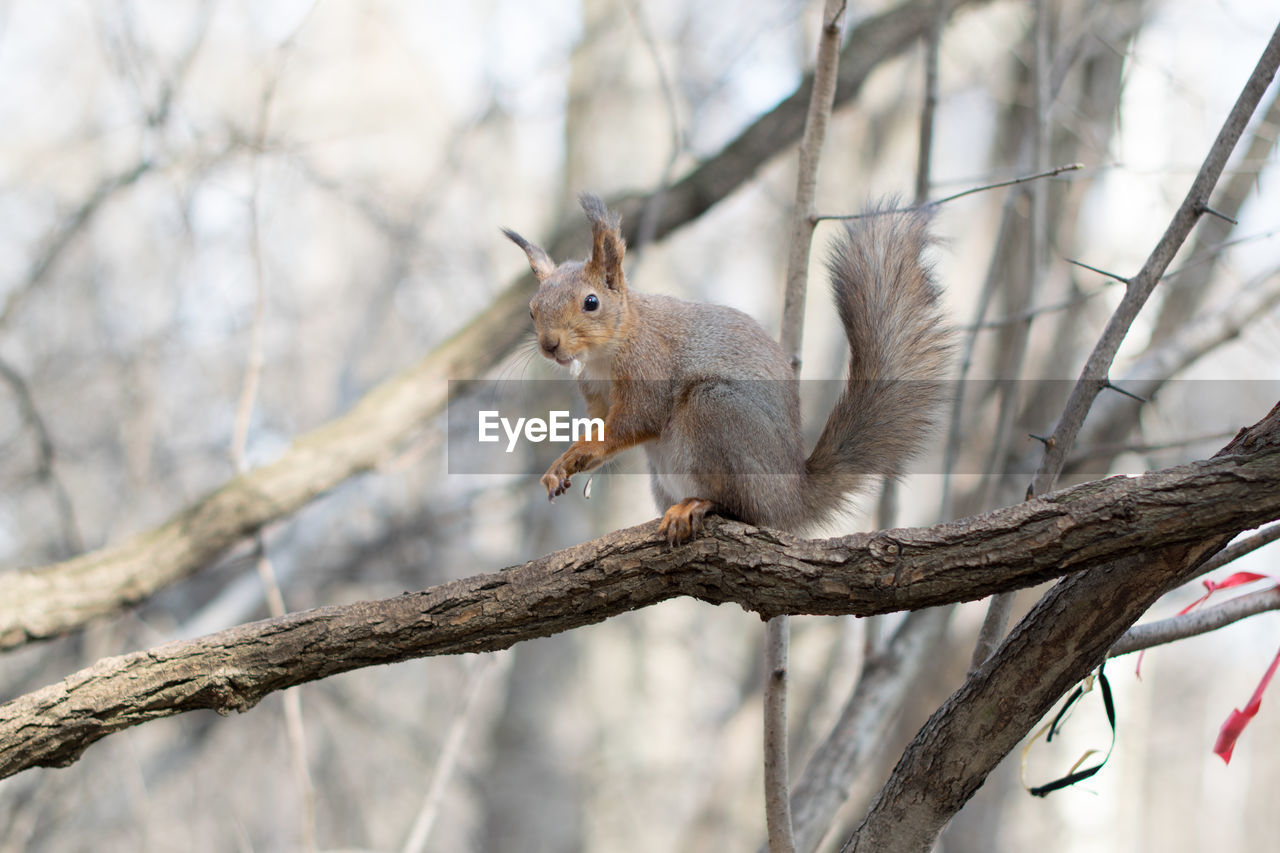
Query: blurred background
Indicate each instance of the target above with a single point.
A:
(180, 179)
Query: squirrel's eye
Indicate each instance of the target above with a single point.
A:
(531, 314)
(591, 303)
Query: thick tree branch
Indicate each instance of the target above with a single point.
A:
(1081, 528)
(52, 600)
(1061, 640)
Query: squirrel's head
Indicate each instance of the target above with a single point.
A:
(580, 308)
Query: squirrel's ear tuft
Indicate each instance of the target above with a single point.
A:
(539, 261)
(607, 245)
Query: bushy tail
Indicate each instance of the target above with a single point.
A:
(899, 353)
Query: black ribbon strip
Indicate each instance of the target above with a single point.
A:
(1079, 775)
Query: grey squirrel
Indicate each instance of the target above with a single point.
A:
(711, 395)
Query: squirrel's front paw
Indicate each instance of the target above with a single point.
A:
(555, 481)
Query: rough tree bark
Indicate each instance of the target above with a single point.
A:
(1109, 523)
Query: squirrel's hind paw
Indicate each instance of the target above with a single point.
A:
(682, 521)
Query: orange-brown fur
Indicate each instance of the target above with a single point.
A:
(711, 395)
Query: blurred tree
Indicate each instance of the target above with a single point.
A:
(177, 179)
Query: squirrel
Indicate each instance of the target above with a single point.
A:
(713, 398)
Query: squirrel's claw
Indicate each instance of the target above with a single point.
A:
(682, 521)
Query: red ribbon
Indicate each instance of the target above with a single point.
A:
(1236, 722)
(1238, 719)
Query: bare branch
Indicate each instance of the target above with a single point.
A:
(1236, 550)
(1113, 419)
(924, 152)
(1022, 179)
(67, 231)
(777, 788)
(72, 541)
(865, 722)
(1196, 622)
(1185, 296)
(1014, 352)
(802, 216)
(1211, 618)
(55, 599)
(447, 763)
(777, 785)
(1141, 285)
(1069, 532)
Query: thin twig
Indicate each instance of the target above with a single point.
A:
(1050, 173)
(1108, 385)
(653, 205)
(1196, 622)
(46, 470)
(447, 763)
(291, 699)
(1090, 383)
(66, 232)
(1236, 550)
(1090, 268)
(1001, 606)
(1033, 313)
(924, 154)
(956, 428)
(1107, 451)
(777, 789)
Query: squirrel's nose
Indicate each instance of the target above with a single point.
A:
(549, 344)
